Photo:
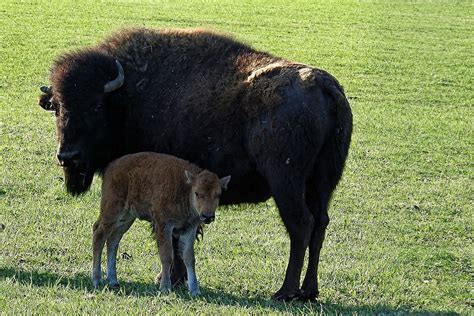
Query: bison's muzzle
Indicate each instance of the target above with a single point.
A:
(69, 158)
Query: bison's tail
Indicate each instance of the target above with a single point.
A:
(343, 115)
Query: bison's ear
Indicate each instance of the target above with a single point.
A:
(45, 102)
(45, 99)
(224, 182)
(189, 177)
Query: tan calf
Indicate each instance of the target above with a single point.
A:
(173, 194)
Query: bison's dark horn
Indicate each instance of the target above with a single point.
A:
(45, 89)
(117, 82)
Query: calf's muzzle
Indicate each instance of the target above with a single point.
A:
(208, 218)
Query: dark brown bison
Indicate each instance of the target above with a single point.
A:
(279, 128)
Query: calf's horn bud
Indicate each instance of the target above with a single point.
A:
(117, 82)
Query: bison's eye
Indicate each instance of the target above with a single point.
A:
(198, 195)
(98, 107)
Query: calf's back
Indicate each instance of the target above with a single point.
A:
(147, 183)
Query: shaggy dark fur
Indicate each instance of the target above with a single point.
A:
(280, 129)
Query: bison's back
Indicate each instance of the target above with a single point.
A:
(196, 71)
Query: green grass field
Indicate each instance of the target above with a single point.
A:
(401, 232)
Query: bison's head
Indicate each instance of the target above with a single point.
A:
(206, 189)
(82, 83)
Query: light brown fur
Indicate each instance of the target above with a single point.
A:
(173, 194)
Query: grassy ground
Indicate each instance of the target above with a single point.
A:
(400, 239)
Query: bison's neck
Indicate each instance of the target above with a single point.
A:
(113, 144)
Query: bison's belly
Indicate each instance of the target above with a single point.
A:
(246, 185)
(251, 188)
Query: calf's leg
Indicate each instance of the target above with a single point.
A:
(186, 244)
(120, 228)
(164, 238)
(101, 232)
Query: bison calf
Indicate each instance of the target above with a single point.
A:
(173, 194)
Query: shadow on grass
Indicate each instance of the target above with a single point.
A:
(82, 282)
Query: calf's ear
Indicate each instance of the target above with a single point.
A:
(224, 182)
(189, 177)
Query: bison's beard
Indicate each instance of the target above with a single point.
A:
(77, 181)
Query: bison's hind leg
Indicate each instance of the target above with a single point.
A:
(287, 181)
(317, 198)
(285, 151)
(288, 193)
(319, 188)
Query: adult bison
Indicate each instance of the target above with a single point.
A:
(281, 129)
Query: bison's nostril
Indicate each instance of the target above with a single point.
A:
(68, 158)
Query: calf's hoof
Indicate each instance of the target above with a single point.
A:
(96, 283)
(285, 295)
(114, 285)
(165, 290)
(158, 278)
(195, 292)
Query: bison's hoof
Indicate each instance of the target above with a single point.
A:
(178, 279)
(308, 295)
(285, 295)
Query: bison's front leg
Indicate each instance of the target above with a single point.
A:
(178, 269)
